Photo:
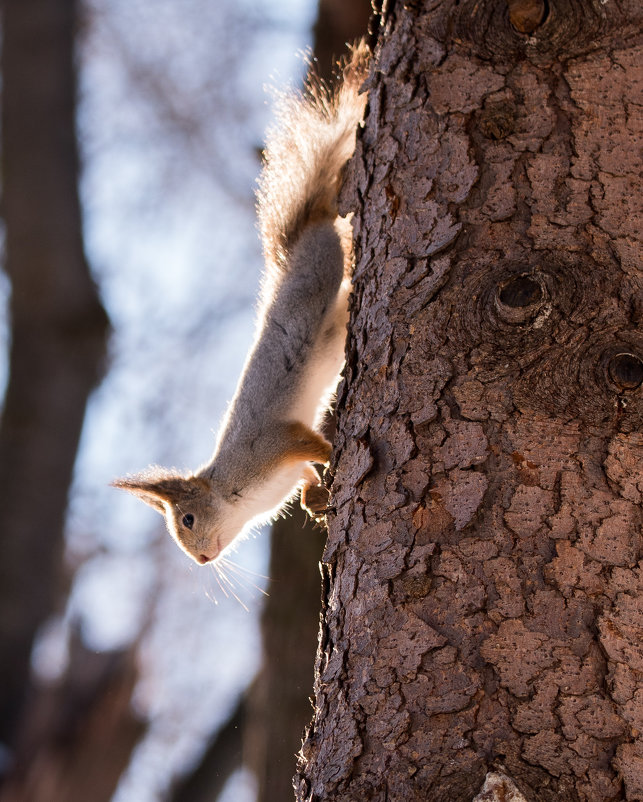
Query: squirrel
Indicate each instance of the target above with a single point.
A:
(270, 434)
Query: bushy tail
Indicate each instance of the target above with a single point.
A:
(307, 147)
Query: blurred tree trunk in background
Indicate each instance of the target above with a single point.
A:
(280, 704)
(58, 327)
(339, 22)
(78, 735)
(482, 614)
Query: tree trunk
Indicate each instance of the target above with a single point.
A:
(482, 612)
(58, 326)
(79, 734)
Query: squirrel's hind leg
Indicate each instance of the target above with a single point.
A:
(303, 443)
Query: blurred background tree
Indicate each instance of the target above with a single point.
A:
(58, 327)
(108, 639)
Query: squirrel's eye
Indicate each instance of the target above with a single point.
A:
(188, 520)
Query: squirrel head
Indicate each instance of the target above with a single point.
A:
(193, 509)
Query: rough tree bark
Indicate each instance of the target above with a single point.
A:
(482, 609)
(57, 325)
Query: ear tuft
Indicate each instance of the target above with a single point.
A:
(158, 486)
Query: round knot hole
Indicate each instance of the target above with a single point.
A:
(520, 292)
(527, 15)
(626, 371)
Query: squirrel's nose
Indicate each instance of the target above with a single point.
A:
(203, 559)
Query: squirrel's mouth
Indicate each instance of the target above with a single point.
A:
(204, 559)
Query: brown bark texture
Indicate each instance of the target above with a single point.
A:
(482, 597)
(57, 325)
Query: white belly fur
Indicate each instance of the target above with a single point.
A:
(319, 381)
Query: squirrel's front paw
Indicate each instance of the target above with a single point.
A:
(314, 499)
(314, 495)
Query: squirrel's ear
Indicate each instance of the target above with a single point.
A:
(155, 488)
